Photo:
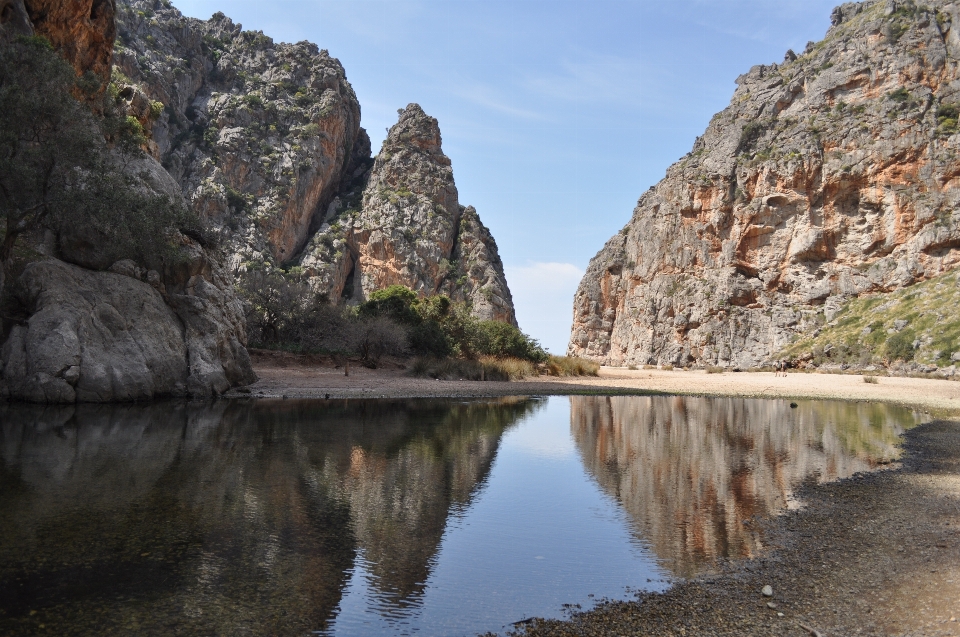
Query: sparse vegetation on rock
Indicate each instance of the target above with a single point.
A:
(830, 176)
(265, 140)
(914, 330)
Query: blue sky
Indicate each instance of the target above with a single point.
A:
(557, 115)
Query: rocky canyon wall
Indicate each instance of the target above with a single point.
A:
(408, 228)
(830, 175)
(97, 331)
(265, 140)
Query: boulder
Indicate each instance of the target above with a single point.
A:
(106, 337)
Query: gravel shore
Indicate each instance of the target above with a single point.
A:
(305, 377)
(878, 554)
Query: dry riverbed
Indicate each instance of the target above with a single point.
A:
(878, 554)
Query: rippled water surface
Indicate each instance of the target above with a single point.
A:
(418, 517)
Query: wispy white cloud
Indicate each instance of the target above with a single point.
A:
(614, 84)
(487, 97)
(757, 19)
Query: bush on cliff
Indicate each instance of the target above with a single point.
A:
(440, 328)
(58, 173)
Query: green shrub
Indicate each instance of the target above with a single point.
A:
(900, 95)
(502, 340)
(948, 115)
(895, 30)
(57, 173)
(441, 328)
(900, 347)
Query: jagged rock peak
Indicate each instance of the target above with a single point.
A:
(407, 227)
(829, 176)
(417, 128)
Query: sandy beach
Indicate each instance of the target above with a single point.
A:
(305, 377)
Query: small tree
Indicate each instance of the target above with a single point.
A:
(56, 171)
(45, 135)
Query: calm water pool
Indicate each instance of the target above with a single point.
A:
(417, 517)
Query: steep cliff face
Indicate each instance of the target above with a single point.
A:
(93, 330)
(407, 227)
(831, 175)
(259, 135)
(265, 140)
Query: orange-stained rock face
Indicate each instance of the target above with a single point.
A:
(827, 177)
(82, 31)
(265, 139)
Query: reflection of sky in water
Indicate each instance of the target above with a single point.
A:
(538, 535)
(392, 517)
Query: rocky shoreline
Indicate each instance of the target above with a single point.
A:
(876, 554)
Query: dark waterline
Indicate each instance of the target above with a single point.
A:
(426, 517)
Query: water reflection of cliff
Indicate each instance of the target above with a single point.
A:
(690, 471)
(230, 518)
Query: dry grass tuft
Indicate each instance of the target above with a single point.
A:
(715, 370)
(492, 368)
(569, 366)
(872, 380)
(486, 368)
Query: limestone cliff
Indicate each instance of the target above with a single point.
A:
(82, 31)
(265, 140)
(409, 228)
(831, 175)
(88, 329)
(259, 135)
